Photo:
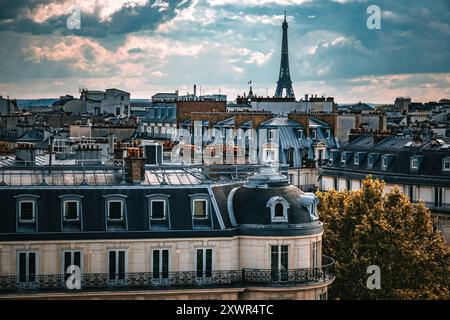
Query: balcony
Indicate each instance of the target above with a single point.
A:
(444, 207)
(97, 282)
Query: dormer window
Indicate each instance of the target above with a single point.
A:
(278, 209)
(309, 201)
(384, 162)
(271, 134)
(115, 210)
(158, 210)
(356, 160)
(26, 211)
(200, 209)
(343, 159)
(414, 163)
(328, 134)
(446, 165)
(71, 210)
(300, 134)
(313, 134)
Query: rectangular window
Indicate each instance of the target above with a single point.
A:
(269, 155)
(71, 258)
(411, 193)
(158, 209)
(438, 197)
(384, 162)
(323, 296)
(27, 266)
(115, 210)
(446, 165)
(160, 263)
(204, 263)
(313, 134)
(271, 135)
(26, 211)
(370, 161)
(356, 159)
(414, 164)
(117, 264)
(343, 159)
(290, 157)
(200, 209)
(328, 134)
(279, 263)
(71, 210)
(315, 254)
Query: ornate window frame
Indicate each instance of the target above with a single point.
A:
(272, 203)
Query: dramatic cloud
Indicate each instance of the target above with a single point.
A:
(144, 46)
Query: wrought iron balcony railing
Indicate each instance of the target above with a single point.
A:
(438, 206)
(96, 282)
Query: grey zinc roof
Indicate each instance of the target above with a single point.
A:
(280, 121)
(97, 176)
(289, 139)
(313, 122)
(226, 123)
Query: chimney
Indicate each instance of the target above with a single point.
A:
(306, 97)
(134, 165)
(195, 90)
(25, 153)
(378, 136)
(153, 154)
(111, 146)
(353, 135)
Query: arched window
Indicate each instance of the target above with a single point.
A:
(279, 210)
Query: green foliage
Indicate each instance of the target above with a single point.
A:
(373, 227)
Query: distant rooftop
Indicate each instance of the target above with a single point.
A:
(96, 176)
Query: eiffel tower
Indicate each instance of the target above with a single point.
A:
(284, 79)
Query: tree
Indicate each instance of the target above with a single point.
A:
(373, 227)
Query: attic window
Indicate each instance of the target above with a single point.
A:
(414, 163)
(370, 161)
(271, 135)
(356, 159)
(446, 165)
(384, 163)
(200, 209)
(313, 134)
(278, 209)
(309, 201)
(343, 159)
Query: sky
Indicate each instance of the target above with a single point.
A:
(150, 46)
